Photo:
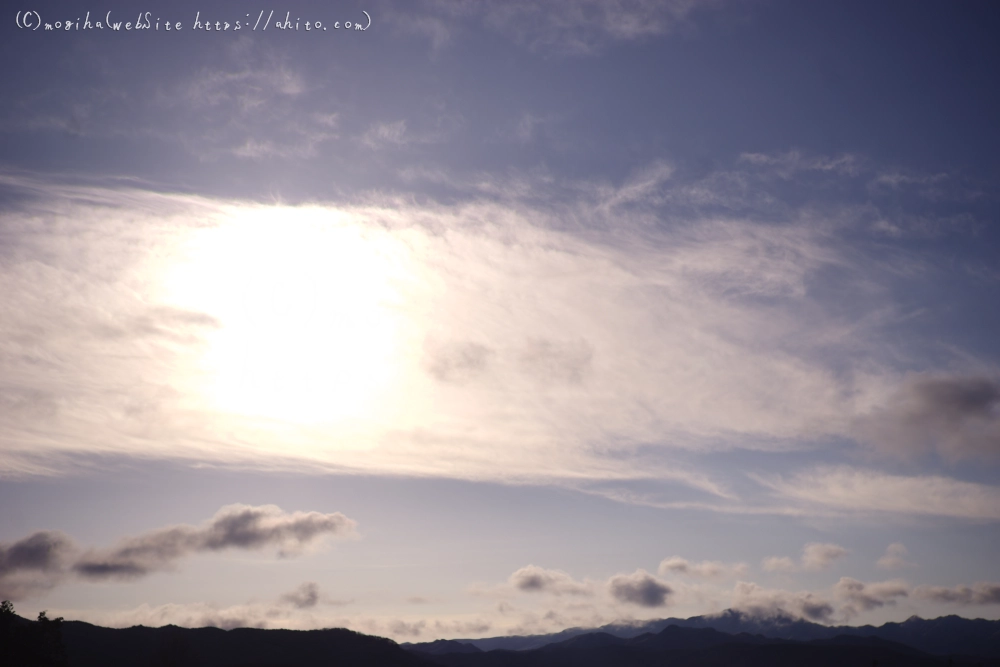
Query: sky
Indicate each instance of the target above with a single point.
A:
(454, 318)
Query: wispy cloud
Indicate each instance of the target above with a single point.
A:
(709, 569)
(563, 27)
(533, 330)
(858, 490)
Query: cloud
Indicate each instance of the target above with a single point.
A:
(538, 330)
(955, 417)
(386, 134)
(980, 593)
(252, 105)
(457, 361)
(819, 556)
(705, 569)
(770, 603)
(303, 597)
(564, 27)
(234, 526)
(855, 490)
(534, 579)
(815, 556)
(895, 557)
(34, 564)
(779, 564)
(860, 596)
(639, 588)
(788, 164)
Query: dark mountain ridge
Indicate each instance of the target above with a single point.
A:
(683, 647)
(946, 635)
(77, 644)
(87, 645)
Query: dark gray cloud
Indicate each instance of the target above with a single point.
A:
(640, 588)
(33, 564)
(534, 579)
(303, 597)
(234, 526)
(43, 551)
(860, 596)
(980, 593)
(956, 417)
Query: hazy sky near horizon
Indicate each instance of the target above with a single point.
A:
(499, 316)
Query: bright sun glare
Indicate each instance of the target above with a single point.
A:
(305, 300)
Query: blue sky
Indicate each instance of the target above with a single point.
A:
(500, 316)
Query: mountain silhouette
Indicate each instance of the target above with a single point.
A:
(947, 635)
(707, 647)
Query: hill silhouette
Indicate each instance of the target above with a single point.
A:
(706, 647)
(57, 643)
(947, 635)
(25, 643)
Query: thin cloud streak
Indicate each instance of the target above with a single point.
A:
(864, 491)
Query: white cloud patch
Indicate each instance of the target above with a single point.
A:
(770, 603)
(894, 557)
(815, 556)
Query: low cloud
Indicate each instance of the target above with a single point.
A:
(34, 564)
(860, 596)
(534, 579)
(954, 417)
(980, 593)
(771, 603)
(234, 526)
(815, 556)
(639, 588)
(895, 557)
(705, 569)
(303, 597)
(42, 560)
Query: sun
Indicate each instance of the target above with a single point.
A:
(305, 301)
